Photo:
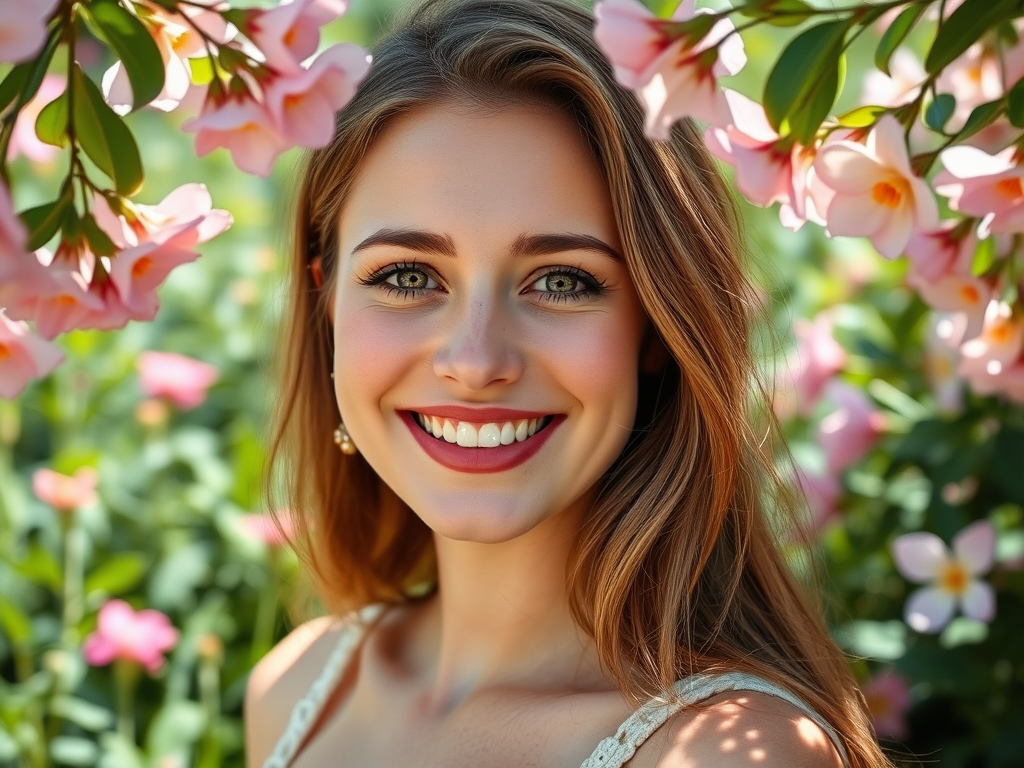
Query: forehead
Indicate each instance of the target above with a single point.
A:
(473, 171)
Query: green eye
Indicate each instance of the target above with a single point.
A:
(558, 282)
(411, 280)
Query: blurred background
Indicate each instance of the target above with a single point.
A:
(173, 447)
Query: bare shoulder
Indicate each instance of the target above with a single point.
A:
(744, 729)
(280, 679)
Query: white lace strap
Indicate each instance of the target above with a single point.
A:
(309, 707)
(615, 751)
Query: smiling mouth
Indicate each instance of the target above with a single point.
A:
(468, 434)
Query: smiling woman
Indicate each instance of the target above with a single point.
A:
(548, 524)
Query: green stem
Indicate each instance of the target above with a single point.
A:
(266, 613)
(209, 696)
(126, 677)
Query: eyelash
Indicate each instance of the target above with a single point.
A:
(592, 286)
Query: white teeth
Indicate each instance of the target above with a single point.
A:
(489, 435)
(467, 435)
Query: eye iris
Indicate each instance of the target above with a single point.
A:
(560, 283)
(411, 279)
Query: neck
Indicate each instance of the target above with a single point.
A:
(501, 618)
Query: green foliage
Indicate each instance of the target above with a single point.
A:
(132, 43)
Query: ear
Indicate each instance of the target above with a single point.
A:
(316, 269)
(653, 353)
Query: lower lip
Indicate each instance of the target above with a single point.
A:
(479, 460)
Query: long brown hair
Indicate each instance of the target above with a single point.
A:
(676, 568)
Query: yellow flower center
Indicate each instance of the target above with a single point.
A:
(141, 267)
(889, 193)
(5, 352)
(970, 294)
(954, 578)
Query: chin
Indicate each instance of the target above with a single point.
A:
(480, 517)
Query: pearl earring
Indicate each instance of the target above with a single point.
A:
(344, 440)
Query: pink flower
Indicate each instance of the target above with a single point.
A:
(177, 39)
(123, 633)
(985, 186)
(937, 253)
(13, 235)
(848, 432)
(24, 140)
(303, 105)
(818, 357)
(999, 344)
(23, 29)
(888, 698)
(241, 125)
(262, 528)
(681, 80)
(290, 33)
(877, 194)
(822, 492)
(178, 378)
(899, 88)
(924, 559)
(63, 492)
(60, 304)
(23, 356)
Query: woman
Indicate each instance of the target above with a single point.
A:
(551, 498)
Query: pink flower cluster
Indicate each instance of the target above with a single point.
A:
(280, 102)
(75, 289)
(142, 637)
(860, 182)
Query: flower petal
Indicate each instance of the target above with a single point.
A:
(978, 601)
(920, 557)
(975, 547)
(929, 610)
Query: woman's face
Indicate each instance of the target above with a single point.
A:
(487, 333)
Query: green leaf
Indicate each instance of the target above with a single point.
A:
(14, 622)
(200, 71)
(662, 8)
(41, 567)
(43, 221)
(82, 713)
(778, 13)
(99, 241)
(52, 122)
(963, 28)
(895, 34)
(862, 117)
(1015, 104)
(117, 574)
(807, 69)
(104, 136)
(982, 117)
(938, 112)
(73, 750)
(23, 81)
(984, 257)
(128, 37)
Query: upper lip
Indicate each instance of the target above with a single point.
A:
(485, 415)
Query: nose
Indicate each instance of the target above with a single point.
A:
(479, 350)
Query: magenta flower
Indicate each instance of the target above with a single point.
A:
(23, 356)
(888, 698)
(951, 577)
(64, 492)
(877, 194)
(123, 633)
(178, 378)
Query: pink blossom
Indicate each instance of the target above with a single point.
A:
(848, 432)
(898, 88)
(123, 633)
(113, 313)
(985, 186)
(180, 379)
(981, 74)
(64, 492)
(822, 492)
(934, 254)
(13, 235)
(177, 39)
(952, 580)
(888, 698)
(23, 356)
(877, 194)
(23, 29)
(290, 33)
(304, 104)
(679, 81)
(767, 170)
(818, 357)
(24, 140)
(60, 304)
(262, 528)
(999, 344)
(241, 125)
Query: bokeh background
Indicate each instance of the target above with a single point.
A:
(176, 522)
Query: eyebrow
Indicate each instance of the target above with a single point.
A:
(524, 245)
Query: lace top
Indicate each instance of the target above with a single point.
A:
(611, 752)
